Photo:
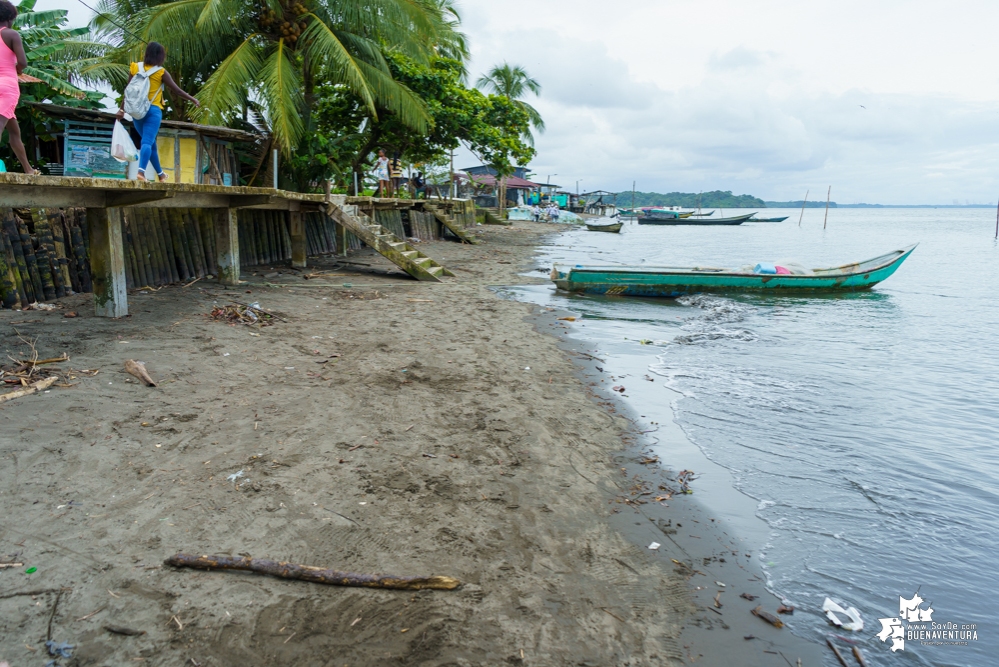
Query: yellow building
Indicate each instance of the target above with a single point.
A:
(78, 143)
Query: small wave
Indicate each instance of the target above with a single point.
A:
(765, 504)
(716, 334)
(717, 309)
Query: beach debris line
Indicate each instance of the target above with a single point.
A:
(759, 612)
(248, 314)
(839, 656)
(30, 389)
(684, 478)
(138, 369)
(833, 610)
(316, 575)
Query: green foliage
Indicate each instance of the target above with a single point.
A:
(276, 52)
(513, 82)
(348, 134)
(56, 55)
(714, 199)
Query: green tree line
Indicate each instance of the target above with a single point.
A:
(326, 82)
(713, 199)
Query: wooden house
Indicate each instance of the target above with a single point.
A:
(78, 143)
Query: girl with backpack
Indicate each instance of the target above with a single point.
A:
(12, 63)
(143, 101)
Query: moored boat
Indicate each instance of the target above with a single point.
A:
(613, 227)
(672, 282)
(768, 219)
(674, 220)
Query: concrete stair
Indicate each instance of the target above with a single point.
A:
(390, 246)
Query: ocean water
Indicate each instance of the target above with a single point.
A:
(861, 430)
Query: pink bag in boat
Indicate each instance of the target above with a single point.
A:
(782, 271)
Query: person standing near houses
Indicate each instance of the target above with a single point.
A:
(12, 63)
(148, 126)
(382, 174)
(536, 212)
(395, 173)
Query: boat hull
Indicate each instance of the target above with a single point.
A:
(735, 220)
(672, 283)
(613, 228)
(768, 219)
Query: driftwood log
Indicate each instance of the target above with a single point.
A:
(138, 369)
(316, 575)
(30, 389)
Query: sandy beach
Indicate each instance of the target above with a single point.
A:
(381, 425)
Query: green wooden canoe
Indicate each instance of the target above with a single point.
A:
(671, 282)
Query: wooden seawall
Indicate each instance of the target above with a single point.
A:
(111, 235)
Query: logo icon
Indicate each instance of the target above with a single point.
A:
(910, 610)
(915, 623)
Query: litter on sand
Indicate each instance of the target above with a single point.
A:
(240, 314)
(654, 546)
(833, 610)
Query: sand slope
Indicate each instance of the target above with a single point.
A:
(513, 500)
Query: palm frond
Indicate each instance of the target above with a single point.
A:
(397, 98)
(227, 88)
(282, 89)
(331, 56)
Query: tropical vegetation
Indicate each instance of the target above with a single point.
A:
(713, 199)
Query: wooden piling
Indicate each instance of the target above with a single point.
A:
(297, 229)
(107, 261)
(10, 295)
(194, 241)
(144, 254)
(74, 278)
(9, 225)
(173, 261)
(227, 246)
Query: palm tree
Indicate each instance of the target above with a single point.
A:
(56, 54)
(513, 82)
(273, 53)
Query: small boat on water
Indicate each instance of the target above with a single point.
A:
(664, 281)
(655, 219)
(702, 215)
(768, 219)
(612, 227)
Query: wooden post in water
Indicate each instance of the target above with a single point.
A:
(826, 219)
(296, 227)
(107, 262)
(227, 246)
(997, 221)
(803, 207)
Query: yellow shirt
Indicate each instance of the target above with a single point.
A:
(155, 82)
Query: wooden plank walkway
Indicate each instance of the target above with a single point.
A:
(104, 199)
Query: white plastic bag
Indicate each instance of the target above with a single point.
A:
(122, 147)
(855, 623)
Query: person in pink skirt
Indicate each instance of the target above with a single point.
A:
(12, 62)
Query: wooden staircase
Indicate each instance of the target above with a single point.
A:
(396, 250)
(452, 224)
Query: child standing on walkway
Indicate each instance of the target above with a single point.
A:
(12, 63)
(149, 125)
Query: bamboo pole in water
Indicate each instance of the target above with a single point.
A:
(826, 219)
(803, 208)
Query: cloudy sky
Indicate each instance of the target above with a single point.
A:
(895, 101)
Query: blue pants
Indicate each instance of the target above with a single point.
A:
(148, 128)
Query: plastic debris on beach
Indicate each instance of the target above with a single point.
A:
(855, 623)
(654, 546)
(236, 475)
(60, 650)
(240, 314)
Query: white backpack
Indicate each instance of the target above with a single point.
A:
(137, 100)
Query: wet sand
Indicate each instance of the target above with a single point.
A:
(386, 426)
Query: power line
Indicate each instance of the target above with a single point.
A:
(108, 17)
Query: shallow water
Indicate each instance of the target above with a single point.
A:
(862, 427)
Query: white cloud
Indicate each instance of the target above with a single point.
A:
(765, 98)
